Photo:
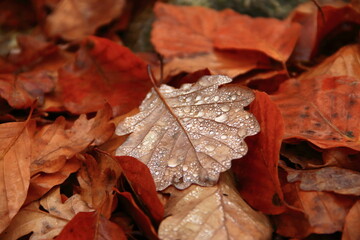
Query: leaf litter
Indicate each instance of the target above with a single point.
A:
(301, 170)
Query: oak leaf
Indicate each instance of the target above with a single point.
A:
(321, 106)
(45, 218)
(216, 212)
(257, 171)
(73, 20)
(190, 135)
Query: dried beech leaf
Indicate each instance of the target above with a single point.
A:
(45, 224)
(351, 227)
(190, 135)
(216, 212)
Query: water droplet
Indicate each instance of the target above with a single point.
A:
(200, 102)
(242, 132)
(186, 119)
(198, 98)
(210, 148)
(186, 86)
(247, 117)
(187, 109)
(233, 97)
(185, 168)
(239, 93)
(223, 137)
(211, 132)
(173, 162)
(200, 114)
(242, 149)
(157, 173)
(188, 99)
(221, 118)
(203, 82)
(225, 108)
(149, 95)
(206, 98)
(216, 98)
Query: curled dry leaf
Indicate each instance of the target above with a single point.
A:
(74, 20)
(216, 212)
(190, 135)
(15, 152)
(332, 179)
(45, 224)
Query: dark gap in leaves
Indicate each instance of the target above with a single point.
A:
(70, 185)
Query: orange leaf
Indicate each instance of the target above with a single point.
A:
(103, 71)
(322, 106)
(257, 171)
(143, 185)
(91, 225)
(351, 228)
(15, 158)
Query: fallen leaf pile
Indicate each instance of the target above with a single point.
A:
(243, 128)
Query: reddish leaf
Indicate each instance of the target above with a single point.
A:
(322, 105)
(91, 225)
(351, 227)
(315, 29)
(143, 185)
(257, 171)
(103, 71)
(273, 37)
(192, 32)
(73, 20)
(141, 219)
(16, 15)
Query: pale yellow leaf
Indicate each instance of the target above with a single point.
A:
(45, 225)
(190, 135)
(216, 213)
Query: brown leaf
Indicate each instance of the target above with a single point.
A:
(91, 225)
(73, 20)
(103, 71)
(54, 143)
(143, 185)
(351, 227)
(321, 106)
(331, 179)
(45, 224)
(15, 151)
(97, 178)
(41, 183)
(216, 212)
(190, 135)
(257, 172)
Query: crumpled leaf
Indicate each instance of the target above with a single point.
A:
(216, 212)
(190, 135)
(54, 144)
(45, 224)
(91, 225)
(351, 227)
(322, 105)
(103, 71)
(74, 20)
(15, 152)
(257, 171)
(97, 177)
(331, 179)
